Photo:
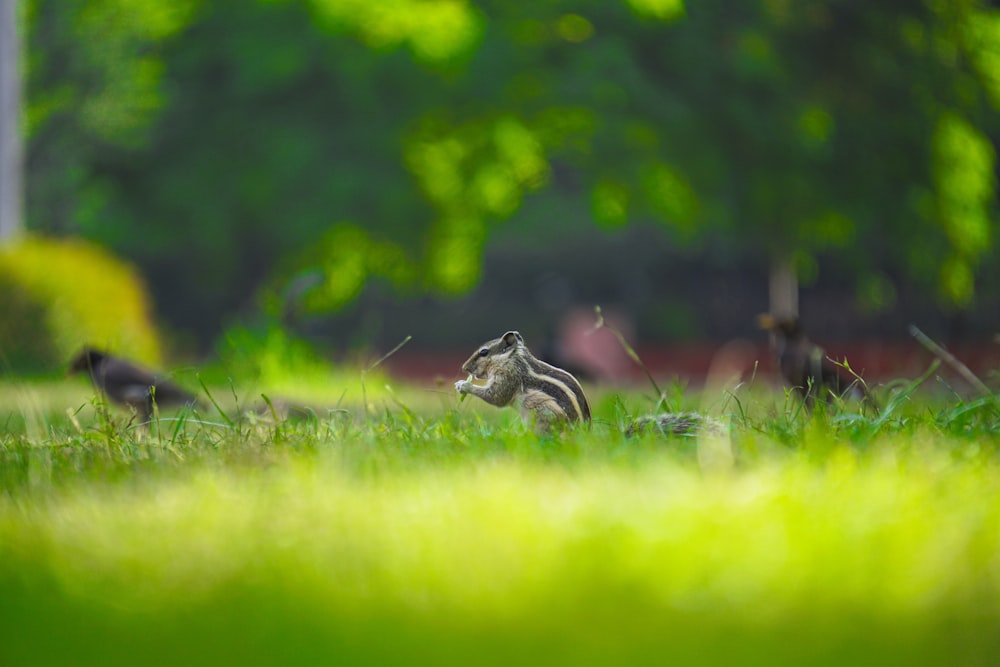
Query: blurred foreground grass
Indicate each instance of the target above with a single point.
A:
(428, 532)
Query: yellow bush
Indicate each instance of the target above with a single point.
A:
(57, 295)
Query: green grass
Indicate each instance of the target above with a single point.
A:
(417, 530)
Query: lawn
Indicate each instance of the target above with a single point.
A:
(404, 527)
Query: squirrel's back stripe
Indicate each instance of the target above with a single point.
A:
(564, 388)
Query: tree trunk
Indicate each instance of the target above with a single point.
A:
(784, 288)
(10, 122)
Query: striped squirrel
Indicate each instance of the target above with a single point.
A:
(550, 394)
(513, 374)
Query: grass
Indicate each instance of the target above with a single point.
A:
(404, 527)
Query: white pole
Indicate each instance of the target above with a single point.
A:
(784, 289)
(10, 122)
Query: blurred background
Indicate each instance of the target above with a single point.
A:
(317, 179)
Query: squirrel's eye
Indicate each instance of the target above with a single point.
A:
(483, 352)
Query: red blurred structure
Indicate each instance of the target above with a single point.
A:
(876, 361)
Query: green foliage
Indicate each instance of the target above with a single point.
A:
(102, 73)
(963, 166)
(472, 174)
(94, 88)
(866, 131)
(436, 31)
(58, 295)
(267, 361)
(338, 265)
(272, 358)
(982, 30)
(666, 10)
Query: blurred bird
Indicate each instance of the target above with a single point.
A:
(128, 384)
(805, 366)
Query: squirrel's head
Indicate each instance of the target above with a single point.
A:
(493, 354)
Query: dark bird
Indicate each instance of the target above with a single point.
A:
(804, 364)
(128, 384)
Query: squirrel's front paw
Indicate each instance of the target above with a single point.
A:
(461, 385)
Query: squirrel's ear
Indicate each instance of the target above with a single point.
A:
(511, 338)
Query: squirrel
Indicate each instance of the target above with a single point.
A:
(513, 374)
(551, 394)
(676, 423)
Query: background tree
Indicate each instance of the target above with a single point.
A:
(296, 149)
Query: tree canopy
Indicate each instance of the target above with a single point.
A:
(241, 151)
